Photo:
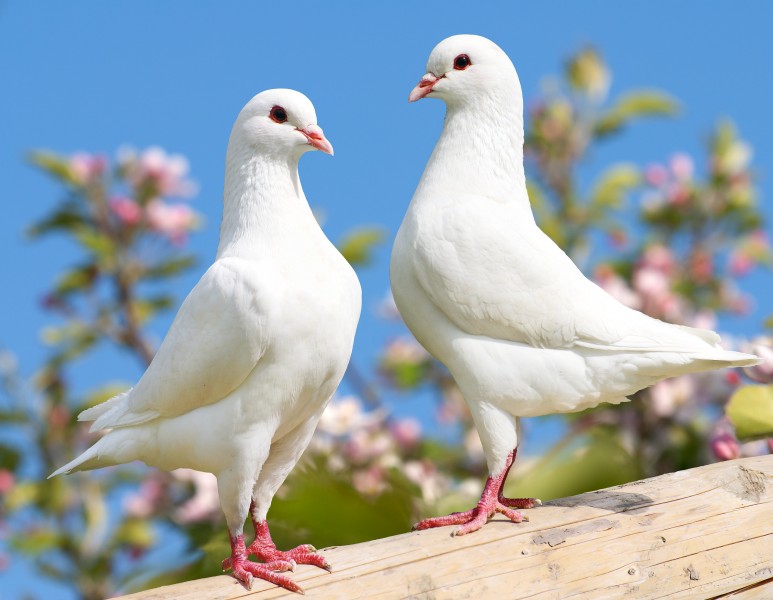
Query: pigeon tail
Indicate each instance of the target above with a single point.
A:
(116, 448)
(727, 358)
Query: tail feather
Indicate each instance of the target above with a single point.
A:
(90, 459)
(729, 358)
(93, 413)
(708, 336)
(117, 447)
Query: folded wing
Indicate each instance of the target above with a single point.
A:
(493, 272)
(214, 343)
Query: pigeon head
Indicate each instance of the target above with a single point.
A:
(464, 68)
(280, 122)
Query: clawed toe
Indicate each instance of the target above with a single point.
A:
(246, 571)
(520, 502)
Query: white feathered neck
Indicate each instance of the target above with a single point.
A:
(480, 150)
(263, 202)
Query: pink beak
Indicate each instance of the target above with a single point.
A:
(424, 87)
(317, 139)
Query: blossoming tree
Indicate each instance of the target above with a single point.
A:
(670, 239)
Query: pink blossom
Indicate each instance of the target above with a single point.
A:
(86, 167)
(370, 481)
(7, 481)
(424, 474)
(143, 503)
(363, 446)
(659, 257)
(651, 282)
(205, 503)
(406, 432)
(346, 415)
(405, 350)
(655, 175)
(616, 287)
(704, 319)
(682, 167)
(677, 194)
(702, 266)
(126, 209)
(618, 237)
(763, 372)
(165, 172)
(173, 220)
(740, 263)
(669, 395)
(725, 446)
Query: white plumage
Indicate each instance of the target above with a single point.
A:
(259, 345)
(520, 328)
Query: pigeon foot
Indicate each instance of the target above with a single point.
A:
(471, 520)
(491, 502)
(245, 571)
(264, 548)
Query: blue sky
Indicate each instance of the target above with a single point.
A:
(96, 75)
(93, 76)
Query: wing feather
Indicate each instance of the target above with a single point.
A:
(215, 341)
(493, 272)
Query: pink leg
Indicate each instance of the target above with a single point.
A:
(514, 502)
(245, 570)
(491, 502)
(264, 548)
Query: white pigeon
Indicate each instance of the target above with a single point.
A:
(258, 346)
(519, 327)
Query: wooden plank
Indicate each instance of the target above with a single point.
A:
(701, 533)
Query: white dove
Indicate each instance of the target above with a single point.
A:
(257, 348)
(518, 326)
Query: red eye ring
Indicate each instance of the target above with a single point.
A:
(461, 62)
(278, 114)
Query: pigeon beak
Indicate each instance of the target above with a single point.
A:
(317, 139)
(424, 87)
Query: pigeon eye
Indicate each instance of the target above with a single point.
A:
(461, 62)
(278, 114)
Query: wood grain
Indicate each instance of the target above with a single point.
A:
(705, 533)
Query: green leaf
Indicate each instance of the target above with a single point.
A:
(98, 243)
(357, 246)
(613, 185)
(147, 307)
(22, 494)
(12, 416)
(635, 105)
(67, 217)
(76, 279)
(36, 541)
(53, 164)
(9, 458)
(589, 462)
(169, 267)
(750, 410)
(135, 532)
(768, 323)
(587, 73)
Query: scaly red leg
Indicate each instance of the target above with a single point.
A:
(491, 502)
(264, 548)
(245, 570)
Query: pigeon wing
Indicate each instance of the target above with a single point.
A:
(215, 341)
(493, 272)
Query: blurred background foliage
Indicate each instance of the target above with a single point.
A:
(673, 239)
